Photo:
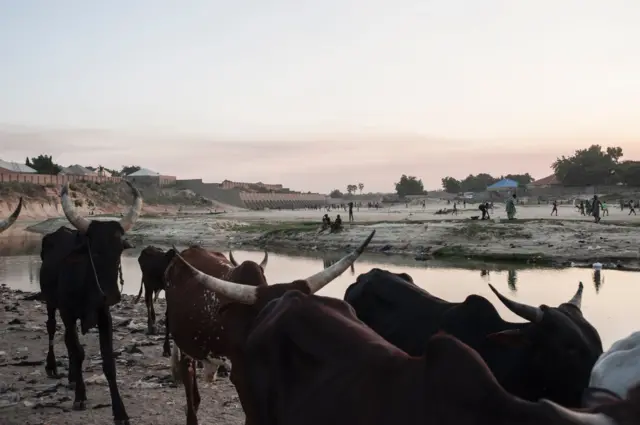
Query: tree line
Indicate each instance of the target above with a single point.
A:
(44, 164)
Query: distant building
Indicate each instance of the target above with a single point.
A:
(228, 184)
(14, 167)
(548, 181)
(78, 170)
(145, 176)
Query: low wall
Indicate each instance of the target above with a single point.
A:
(213, 192)
(60, 179)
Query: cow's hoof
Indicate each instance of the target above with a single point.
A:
(166, 353)
(152, 330)
(52, 373)
(71, 385)
(121, 422)
(79, 405)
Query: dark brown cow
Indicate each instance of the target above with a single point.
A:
(309, 360)
(210, 315)
(153, 262)
(5, 224)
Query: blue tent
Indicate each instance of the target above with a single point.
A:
(504, 184)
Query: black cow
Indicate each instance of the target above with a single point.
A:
(549, 357)
(309, 360)
(153, 263)
(5, 224)
(79, 276)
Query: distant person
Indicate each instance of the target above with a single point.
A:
(350, 211)
(511, 207)
(581, 207)
(484, 208)
(632, 207)
(337, 224)
(605, 208)
(555, 208)
(464, 203)
(621, 204)
(595, 208)
(455, 209)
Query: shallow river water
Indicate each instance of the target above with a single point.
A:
(610, 300)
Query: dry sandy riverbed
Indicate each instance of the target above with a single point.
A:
(533, 237)
(29, 397)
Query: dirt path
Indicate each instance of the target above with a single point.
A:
(29, 397)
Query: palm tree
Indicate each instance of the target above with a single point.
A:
(360, 186)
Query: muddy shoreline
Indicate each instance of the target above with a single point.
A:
(29, 397)
(555, 242)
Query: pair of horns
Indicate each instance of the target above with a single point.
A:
(530, 313)
(263, 263)
(5, 224)
(82, 224)
(248, 294)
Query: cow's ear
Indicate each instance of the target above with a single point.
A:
(594, 397)
(512, 338)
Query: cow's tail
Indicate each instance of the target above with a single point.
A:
(139, 292)
(175, 364)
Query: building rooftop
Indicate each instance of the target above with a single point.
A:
(143, 172)
(78, 170)
(16, 167)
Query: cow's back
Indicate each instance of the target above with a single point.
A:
(397, 309)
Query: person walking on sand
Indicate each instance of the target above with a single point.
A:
(595, 208)
(632, 207)
(555, 208)
(455, 209)
(350, 211)
(605, 208)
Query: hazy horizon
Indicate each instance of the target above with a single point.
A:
(319, 95)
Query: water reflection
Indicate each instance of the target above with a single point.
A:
(330, 261)
(611, 308)
(512, 279)
(598, 280)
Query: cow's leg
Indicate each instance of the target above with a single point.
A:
(105, 329)
(188, 372)
(51, 367)
(166, 348)
(151, 315)
(196, 393)
(76, 357)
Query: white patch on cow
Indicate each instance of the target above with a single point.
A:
(175, 364)
(211, 368)
(618, 369)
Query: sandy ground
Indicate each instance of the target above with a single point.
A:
(29, 397)
(535, 237)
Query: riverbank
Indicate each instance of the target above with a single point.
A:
(28, 396)
(534, 238)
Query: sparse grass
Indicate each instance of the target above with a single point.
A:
(21, 188)
(304, 226)
(457, 251)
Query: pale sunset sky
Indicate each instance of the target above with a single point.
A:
(319, 94)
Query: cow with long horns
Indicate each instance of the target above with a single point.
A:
(211, 316)
(550, 356)
(79, 277)
(5, 224)
(310, 360)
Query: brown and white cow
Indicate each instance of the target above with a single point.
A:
(211, 306)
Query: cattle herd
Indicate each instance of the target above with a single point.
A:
(390, 353)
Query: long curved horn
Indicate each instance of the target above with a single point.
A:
(245, 294)
(233, 260)
(320, 279)
(263, 264)
(532, 314)
(5, 224)
(265, 260)
(130, 219)
(78, 221)
(578, 418)
(577, 298)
